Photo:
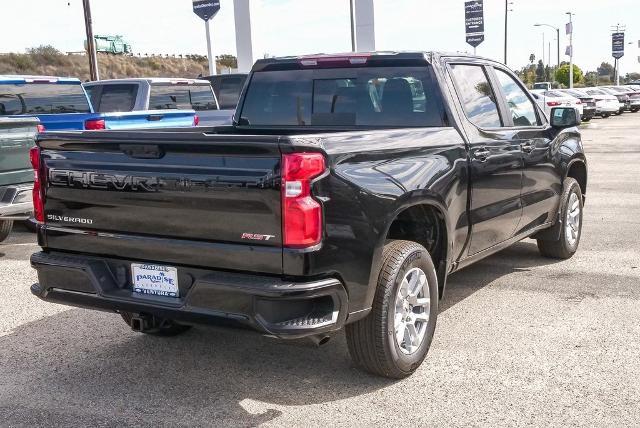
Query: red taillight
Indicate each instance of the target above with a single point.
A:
(301, 214)
(553, 103)
(196, 120)
(40, 128)
(38, 184)
(94, 124)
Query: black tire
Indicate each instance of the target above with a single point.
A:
(5, 229)
(564, 248)
(372, 340)
(587, 119)
(606, 115)
(163, 327)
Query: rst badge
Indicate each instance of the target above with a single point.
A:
(257, 236)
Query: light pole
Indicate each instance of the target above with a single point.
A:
(557, 32)
(506, 26)
(353, 26)
(570, 49)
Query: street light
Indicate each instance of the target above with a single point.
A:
(506, 26)
(557, 32)
(570, 48)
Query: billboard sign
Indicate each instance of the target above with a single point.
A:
(206, 9)
(474, 22)
(617, 45)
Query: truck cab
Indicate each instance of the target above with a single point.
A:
(160, 94)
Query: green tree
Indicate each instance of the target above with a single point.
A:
(591, 79)
(562, 74)
(540, 72)
(228, 61)
(607, 70)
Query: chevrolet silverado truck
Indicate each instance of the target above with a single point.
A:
(17, 136)
(346, 191)
(159, 93)
(60, 103)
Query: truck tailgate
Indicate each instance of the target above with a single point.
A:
(184, 198)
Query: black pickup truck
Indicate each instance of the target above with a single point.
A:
(347, 189)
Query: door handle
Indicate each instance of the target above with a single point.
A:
(481, 154)
(154, 117)
(527, 147)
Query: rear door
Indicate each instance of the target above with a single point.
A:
(495, 158)
(173, 197)
(541, 181)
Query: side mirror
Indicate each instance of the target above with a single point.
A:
(564, 117)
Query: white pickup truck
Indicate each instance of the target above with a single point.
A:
(155, 93)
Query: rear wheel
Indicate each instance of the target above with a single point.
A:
(5, 229)
(155, 327)
(571, 228)
(393, 340)
(606, 115)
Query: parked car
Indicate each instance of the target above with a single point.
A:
(633, 104)
(227, 88)
(17, 136)
(548, 100)
(588, 102)
(60, 103)
(606, 104)
(545, 86)
(347, 190)
(120, 95)
(623, 99)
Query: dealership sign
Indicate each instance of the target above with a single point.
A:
(617, 45)
(474, 22)
(206, 9)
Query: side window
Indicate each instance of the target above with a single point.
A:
(230, 88)
(117, 98)
(476, 95)
(522, 109)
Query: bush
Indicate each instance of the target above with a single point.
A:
(46, 55)
(562, 74)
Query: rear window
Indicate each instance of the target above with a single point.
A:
(115, 98)
(171, 97)
(349, 97)
(42, 98)
(230, 88)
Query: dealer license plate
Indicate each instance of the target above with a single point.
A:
(155, 280)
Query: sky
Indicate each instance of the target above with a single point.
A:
(291, 27)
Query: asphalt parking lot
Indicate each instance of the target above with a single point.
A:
(521, 340)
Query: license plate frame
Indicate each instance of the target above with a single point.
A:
(149, 279)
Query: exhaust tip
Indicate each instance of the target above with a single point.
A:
(320, 340)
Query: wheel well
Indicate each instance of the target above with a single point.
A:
(425, 225)
(578, 171)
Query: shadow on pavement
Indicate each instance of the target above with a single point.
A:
(85, 367)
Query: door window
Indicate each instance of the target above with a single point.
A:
(522, 109)
(476, 95)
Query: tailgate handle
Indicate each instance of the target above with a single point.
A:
(140, 151)
(155, 117)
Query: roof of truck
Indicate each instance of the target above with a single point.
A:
(21, 78)
(373, 58)
(151, 80)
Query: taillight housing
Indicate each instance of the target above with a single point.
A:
(196, 120)
(40, 128)
(38, 184)
(94, 124)
(553, 103)
(301, 213)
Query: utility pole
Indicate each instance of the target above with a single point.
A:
(91, 42)
(570, 49)
(353, 26)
